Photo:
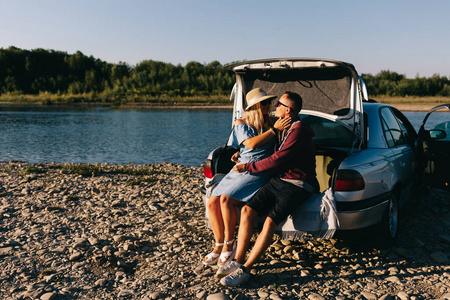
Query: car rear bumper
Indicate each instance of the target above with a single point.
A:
(362, 213)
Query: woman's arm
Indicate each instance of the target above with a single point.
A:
(261, 139)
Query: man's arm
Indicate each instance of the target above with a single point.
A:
(278, 159)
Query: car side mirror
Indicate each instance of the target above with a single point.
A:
(437, 134)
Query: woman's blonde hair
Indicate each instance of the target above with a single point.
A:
(254, 117)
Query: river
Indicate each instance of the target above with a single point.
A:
(98, 135)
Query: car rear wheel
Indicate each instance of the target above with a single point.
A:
(388, 228)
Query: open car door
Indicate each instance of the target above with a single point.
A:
(434, 137)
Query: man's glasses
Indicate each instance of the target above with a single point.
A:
(279, 103)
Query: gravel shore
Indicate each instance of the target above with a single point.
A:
(105, 231)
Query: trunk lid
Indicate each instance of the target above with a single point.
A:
(329, 88)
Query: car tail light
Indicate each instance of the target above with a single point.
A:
(207, 169)
(349, 180)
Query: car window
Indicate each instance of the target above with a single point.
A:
(391, 128)
(328, 133)
(409, 132)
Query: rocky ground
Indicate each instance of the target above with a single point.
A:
(138, 232)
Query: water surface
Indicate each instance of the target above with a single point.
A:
(139, 136)
(98, 135)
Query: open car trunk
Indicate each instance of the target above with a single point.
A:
(329, 89)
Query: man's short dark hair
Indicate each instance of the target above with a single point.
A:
(297, 99)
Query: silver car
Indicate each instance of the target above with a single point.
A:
(367, 152)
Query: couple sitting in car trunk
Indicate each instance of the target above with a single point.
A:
(263, 182)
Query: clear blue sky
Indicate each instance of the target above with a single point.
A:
(409, 37)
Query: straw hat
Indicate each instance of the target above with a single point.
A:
(255, 96)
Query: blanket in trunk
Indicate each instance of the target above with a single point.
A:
(316, 217)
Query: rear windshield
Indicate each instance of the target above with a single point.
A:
(328, 133)
(326, 90)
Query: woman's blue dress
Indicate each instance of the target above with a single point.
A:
(242, 186)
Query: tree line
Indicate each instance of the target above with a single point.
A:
(33, 72)
(387, 83)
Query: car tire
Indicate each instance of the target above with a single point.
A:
(388, 228)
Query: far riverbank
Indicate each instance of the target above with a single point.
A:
(399, 106)
(414, 107)
(413, 103)
(409, 103)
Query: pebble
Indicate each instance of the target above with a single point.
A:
(440, 257)
(217, 296)
(275, 297)
(165, 278)
(101, 282)
(126, 293)
(75, 256)
(138, 232)
(314, 296)
(93, 241)
(155, 295)
(48, 296)
(263, 294)
(403, 296)
(394, 279)
(119, 238)
(201, 295)
(369, 296)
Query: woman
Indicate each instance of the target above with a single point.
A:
(254, 136)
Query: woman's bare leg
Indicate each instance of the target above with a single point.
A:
(229, 214)
(216, 221)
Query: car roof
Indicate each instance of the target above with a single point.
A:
(308, 61)
(373, 105)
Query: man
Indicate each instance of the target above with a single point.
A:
(294, 161)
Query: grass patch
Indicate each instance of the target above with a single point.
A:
(81, 169)
(34, 170)
(92, 170)
(114, 100)
(413, 100)
(138, 171)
